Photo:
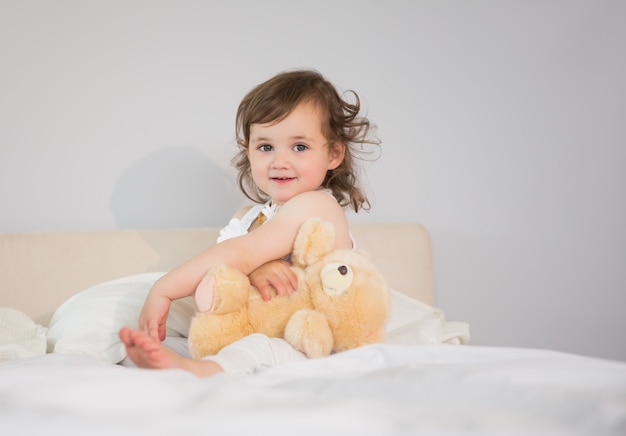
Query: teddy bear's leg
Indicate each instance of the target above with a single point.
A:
(308, 331)
(222, 290)
(209, 333)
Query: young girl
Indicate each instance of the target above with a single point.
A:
(298, 141)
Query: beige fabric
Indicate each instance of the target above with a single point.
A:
(39, 271)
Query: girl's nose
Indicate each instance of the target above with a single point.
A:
(280, 159)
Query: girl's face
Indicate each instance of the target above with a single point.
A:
(292, 156)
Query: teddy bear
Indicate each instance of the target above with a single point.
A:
(342, 301)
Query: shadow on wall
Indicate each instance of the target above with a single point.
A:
(175, 188)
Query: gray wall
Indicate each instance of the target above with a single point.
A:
(502, 126)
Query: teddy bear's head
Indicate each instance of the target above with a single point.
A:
(344, 285)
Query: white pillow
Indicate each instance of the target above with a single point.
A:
(89, 321)
(414, 322)
(20, 336)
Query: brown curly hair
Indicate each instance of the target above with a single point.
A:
(274, 99)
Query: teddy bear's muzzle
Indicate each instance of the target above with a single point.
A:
(336, 278)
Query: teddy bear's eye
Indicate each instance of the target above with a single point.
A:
(343, 270)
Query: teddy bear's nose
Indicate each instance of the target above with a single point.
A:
(343, 270)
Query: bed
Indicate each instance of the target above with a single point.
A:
(424, 378)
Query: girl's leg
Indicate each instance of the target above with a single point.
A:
(245, 356)
(145, 352)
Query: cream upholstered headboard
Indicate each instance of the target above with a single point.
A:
(39, 271)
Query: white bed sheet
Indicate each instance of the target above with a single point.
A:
(375, 390)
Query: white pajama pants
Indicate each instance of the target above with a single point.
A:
(253, 353)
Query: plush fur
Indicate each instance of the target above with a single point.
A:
(342, 301)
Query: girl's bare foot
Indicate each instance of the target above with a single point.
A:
(145, 352)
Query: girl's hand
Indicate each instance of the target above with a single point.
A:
(154, 315)
(276, 274)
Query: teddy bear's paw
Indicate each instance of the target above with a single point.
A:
(222, 290)
(205, 293)
(308, 331)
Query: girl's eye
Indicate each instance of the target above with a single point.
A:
(265, 147)
(300, 147)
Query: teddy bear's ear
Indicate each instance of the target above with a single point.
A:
(315, 239)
